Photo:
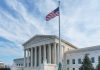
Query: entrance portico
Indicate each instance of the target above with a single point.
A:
(35, 56)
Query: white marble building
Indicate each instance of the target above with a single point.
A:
(73, 59)
(2, 64)
(42, 52)
(18, 64)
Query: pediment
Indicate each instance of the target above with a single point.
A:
(39, 38)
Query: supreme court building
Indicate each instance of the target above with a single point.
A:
(42, 52)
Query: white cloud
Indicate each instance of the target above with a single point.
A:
(73, 14)
(87, 14)
(79, 22)
(26, 26)
(27, 17)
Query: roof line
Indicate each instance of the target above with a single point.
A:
(84, 49)
(54, 37)
(34, 37)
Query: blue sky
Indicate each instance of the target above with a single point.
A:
(22, 19)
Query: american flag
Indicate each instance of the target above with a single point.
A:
(53, 14)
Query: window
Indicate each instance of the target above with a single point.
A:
(79, 61)
(21, 64)
(67, 68)
(26, 64)
(73, 61)
(79, 68)
(98, 58)
(29, 64)
(67, 61)
(92, 60)
(73, 68)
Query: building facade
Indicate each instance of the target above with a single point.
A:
(73, 59)
(2, 65)
(18, 64)
(43, 53)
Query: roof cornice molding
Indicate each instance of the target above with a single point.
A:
(51, 36)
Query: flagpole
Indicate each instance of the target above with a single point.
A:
(59, 34)
(60, 59)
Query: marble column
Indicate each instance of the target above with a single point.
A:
(58, 53)
(42, 55)
(49, 46)
(44, 46)
(52, 54)
(31, 57)
(55, 53)
(28, 58)
(24, 58)
(39, 55)
(57, 49)
(35, 56)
